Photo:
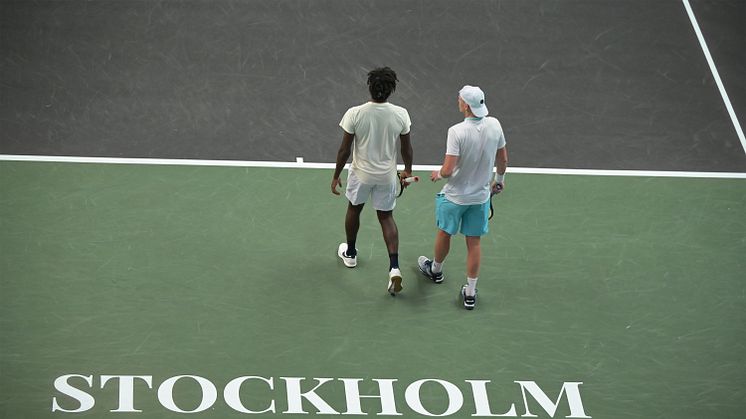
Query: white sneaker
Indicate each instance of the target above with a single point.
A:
(469, 300)
(349, 262)
(426, 266)
(394, 281)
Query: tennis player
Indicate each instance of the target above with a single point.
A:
(474, 146)
(370, 133)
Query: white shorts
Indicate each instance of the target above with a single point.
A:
(382, 197)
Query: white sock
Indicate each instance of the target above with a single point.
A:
(437, 267)
(471, 286)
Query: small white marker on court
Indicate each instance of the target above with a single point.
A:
(299, 159)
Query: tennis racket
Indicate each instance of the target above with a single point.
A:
(493, 193)
(405, 181)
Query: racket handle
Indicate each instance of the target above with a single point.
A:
(412, 179)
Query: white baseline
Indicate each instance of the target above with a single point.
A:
(301, 164)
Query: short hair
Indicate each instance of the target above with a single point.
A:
(381, 83)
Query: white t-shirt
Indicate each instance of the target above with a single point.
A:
(475, 141)
(377, 127)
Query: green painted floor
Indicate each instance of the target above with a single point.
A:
(633, 286)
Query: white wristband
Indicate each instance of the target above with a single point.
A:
(499, 178)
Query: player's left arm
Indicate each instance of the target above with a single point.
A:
(407, 154)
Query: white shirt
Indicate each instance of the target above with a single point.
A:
(377, 127)
(475, 141)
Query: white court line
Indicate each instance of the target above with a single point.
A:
(715, 74)
(301, 164)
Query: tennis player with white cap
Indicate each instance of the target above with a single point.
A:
(475, 148)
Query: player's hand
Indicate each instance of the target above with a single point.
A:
(403, 175)
(497, 187)
(336, 182)
(435, 176)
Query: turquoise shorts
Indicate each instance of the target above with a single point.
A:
(471, 220)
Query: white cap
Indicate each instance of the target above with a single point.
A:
(474, 97)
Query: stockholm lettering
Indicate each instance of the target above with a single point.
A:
(76, 394)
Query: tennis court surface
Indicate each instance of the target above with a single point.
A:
(168, 238)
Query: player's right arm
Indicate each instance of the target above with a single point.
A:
(450, 162)
(343, 154)
(501, 166)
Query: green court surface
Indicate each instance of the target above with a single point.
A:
(633, 286)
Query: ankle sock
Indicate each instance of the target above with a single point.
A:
(471, 286)
(351, 251)
(393, 261)
(437, 267)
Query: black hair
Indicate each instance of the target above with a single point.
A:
(381, 83)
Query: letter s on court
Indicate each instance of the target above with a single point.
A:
(63, 386)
